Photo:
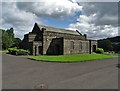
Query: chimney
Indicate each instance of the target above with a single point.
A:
(43, 29)
(85, 35)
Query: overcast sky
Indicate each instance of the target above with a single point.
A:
(97, 20)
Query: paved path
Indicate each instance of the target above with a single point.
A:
(22, 73)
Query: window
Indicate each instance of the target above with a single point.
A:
(80, 46)
(86, 45)
(72, 45)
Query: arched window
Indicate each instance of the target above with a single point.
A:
(80, 46)
(72, 45)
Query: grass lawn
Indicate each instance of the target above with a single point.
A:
(71, 58)
(3, 50)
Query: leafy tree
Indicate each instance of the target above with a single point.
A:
(17, 42)
(116, 47)
(105, 44)
(112, 43)
(7, 38)
(1, 39)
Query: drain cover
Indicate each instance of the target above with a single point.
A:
(40, 86)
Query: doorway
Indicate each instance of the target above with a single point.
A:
(94, 48)
(40, 50)
(35, 50)
(57, 50)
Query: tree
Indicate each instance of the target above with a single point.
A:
(105, 44)
(1, 39)
(116, 47)
(7, 38)
(17, 42)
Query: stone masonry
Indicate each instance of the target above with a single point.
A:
(45, 40)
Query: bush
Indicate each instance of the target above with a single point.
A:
(22, 52)
(12, 50)
(15, 51)
(109, 52)
(100, 50)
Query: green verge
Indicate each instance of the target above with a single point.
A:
(71, 58)
(3, 50)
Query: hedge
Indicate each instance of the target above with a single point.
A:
(100, 50)
(15, 51)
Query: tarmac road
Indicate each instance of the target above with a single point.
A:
(22, 73)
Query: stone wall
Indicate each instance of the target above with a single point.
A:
(31, 37)
(42, 42)
(50, 39)
(52, 45)
(79, 46)
(37, 48)
(65, 35)
(33, 41)
(93, 43)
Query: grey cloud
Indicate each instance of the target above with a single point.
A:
(22, 15)
(107, 12)
(53, 8)
(20, 20)
(98, 20)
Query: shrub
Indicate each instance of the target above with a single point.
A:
(12, 50)
(100, 50)
(22, 52)
(109, 52)
(15, 51)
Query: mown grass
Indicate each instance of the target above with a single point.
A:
(3, 50)
(71, 58)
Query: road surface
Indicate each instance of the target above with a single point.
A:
(22, 73)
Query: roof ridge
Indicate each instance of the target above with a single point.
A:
(55, 27)
(59, 30)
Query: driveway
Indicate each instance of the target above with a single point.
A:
(22, 73)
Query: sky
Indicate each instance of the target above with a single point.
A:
(96, 19)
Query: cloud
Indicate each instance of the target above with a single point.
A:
(20, 20)
(22, 15)
(53, 8)
(98, 20)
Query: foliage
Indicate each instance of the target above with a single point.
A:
(3, 50)
(114, 39)
(71, 58)
(8, 39)
(22, 52)
(109, 53)
(12, 50)
(1, 39)
(17, 42)
(100, 50)
(105, 44)
(113, 45)
(15, 51)
(116, 47)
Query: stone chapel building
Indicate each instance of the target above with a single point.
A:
(46, 40)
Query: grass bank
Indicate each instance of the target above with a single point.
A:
(71, 58)
(3, 50)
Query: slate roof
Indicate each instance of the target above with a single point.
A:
(60, 30)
